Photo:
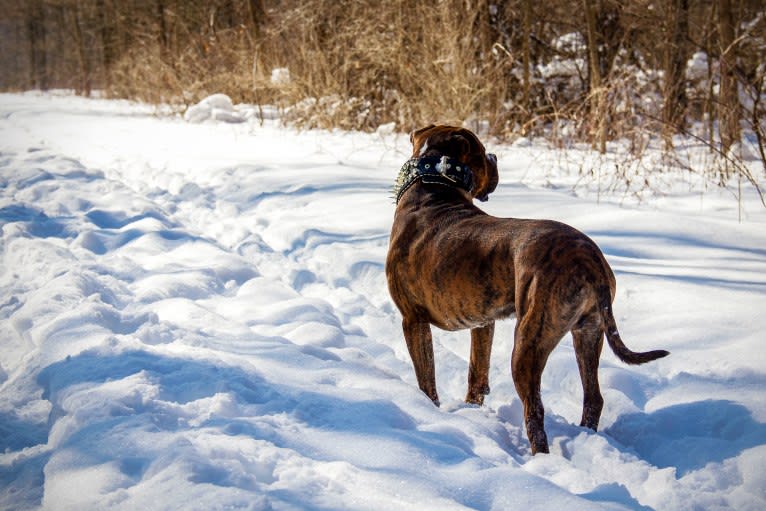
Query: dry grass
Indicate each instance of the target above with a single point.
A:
(360, 64)
(410, 63)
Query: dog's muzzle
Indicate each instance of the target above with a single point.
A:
(492, 159)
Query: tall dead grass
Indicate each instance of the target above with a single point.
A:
(508, 69)
(365, 63)
(353, 64)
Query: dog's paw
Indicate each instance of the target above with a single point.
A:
(538, 440)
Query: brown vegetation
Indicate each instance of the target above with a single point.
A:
(593, 71)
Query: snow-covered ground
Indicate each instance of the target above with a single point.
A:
(195, 316)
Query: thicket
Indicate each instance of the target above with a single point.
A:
(584, 71)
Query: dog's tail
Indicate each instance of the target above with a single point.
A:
(613, 336)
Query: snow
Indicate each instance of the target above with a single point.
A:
(280, 76)
(216, 107)
(697, 67)
(560, 67)
(572, 42)
(195, 316)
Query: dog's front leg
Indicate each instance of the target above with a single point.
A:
(478, 370)
(420, 344)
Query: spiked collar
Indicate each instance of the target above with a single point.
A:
(442, 170)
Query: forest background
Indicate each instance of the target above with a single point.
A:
(644, 73)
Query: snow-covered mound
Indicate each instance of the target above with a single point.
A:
(217, 107)
(195, 316)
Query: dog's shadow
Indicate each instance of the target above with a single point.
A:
(688, 436)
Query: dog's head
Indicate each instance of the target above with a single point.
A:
(463, 145)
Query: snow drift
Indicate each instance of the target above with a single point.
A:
(195, 316)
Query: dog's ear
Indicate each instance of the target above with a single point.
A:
(483, 166)
(415, 133)
(460, 146)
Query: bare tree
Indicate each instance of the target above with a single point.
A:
(597, 92)
(257, 13)
(74, 12)
(37, 35)
(527, 53)
(106, 14)
(728, 101)
(674, 56)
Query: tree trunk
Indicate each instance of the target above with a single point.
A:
(36, 34)
(257, 16)
(527, 54)
(709, 107)
(597, 93)
(728, 99)
(165, 53)
(84, 79)
(674, 89)
(106, 32)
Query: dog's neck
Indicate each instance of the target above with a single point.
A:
(441, 170)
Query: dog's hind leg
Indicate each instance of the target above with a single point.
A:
(421, 348)
(531, 348)
(588, 341)
(478, 369)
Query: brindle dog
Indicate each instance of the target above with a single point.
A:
(453, 266)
